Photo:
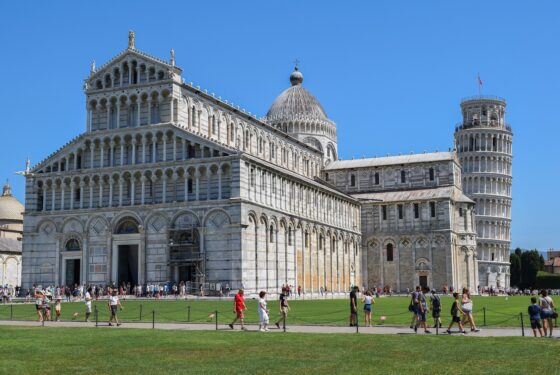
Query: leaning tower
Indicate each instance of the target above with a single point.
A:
(484, 145)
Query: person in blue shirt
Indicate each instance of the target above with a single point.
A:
(535, 316)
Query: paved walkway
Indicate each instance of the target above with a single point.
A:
(380, 330)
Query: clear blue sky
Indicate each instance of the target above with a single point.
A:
(391, 75)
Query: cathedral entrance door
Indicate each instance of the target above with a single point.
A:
(72, 276)
(127, 271)
(423, 281)
(187, 273)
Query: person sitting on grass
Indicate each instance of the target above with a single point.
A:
(113, 304)
(238, 308)
(535, 316)
(455, 311)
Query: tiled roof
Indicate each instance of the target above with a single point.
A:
(10, 245)
(445, 192)
(391, 160)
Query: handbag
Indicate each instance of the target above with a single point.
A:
(467, 307)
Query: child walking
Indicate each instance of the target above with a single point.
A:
(57, 307)
(263, 312)
(455, 311)
(535, 316)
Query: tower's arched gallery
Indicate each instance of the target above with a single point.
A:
(170, 183)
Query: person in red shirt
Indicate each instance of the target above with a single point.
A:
(238, 308)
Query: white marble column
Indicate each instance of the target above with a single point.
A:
(90, 204)
(197, 179)
(219, 183)
(144, 141)
(44, 196)
(118, 114)
(53, 193)
(81, 194)
(186, 187)
(121, 180)
(132, 189)
(174, 178)
(100, 192)
(164, 192)
(112, 154)
(111, 182)
(138, 108)
(91, 154)
(72, 188)
(122, 153)
(143, 190)
(133, 151)
(62, 189)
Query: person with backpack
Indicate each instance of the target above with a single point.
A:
(435, 308)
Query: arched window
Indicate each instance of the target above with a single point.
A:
(376, 177)
(271, 234)
(389, 252)
(290, 236)
(72, 245)
(432, 174)
(403, 177)
(352, 180)
(127, 226)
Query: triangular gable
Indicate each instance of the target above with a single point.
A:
(139, 56)
(183, 133)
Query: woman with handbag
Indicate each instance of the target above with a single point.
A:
(467, 307)
(547, 312)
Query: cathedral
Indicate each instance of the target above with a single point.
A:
(170, 183)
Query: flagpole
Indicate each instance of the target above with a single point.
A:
(478, 81)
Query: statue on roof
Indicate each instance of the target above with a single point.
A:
(92, 67)
(172, 57)
(131, 39)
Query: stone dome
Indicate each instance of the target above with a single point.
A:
(296, 104)
(10, 208)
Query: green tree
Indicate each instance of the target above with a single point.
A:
(531, 263)
(515, 268)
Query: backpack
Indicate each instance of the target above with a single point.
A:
(436, 303)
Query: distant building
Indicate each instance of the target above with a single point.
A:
(552, 264)
(11, 232)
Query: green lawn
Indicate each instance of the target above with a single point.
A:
(119, 351)
(500, 312)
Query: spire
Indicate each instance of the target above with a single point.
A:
(92, 67)
(7, 191)
(172, 57)
(130, 39)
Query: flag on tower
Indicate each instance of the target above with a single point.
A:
(480, 83)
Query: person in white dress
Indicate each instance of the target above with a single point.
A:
(263, 312)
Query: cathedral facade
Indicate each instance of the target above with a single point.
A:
(169, 183)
